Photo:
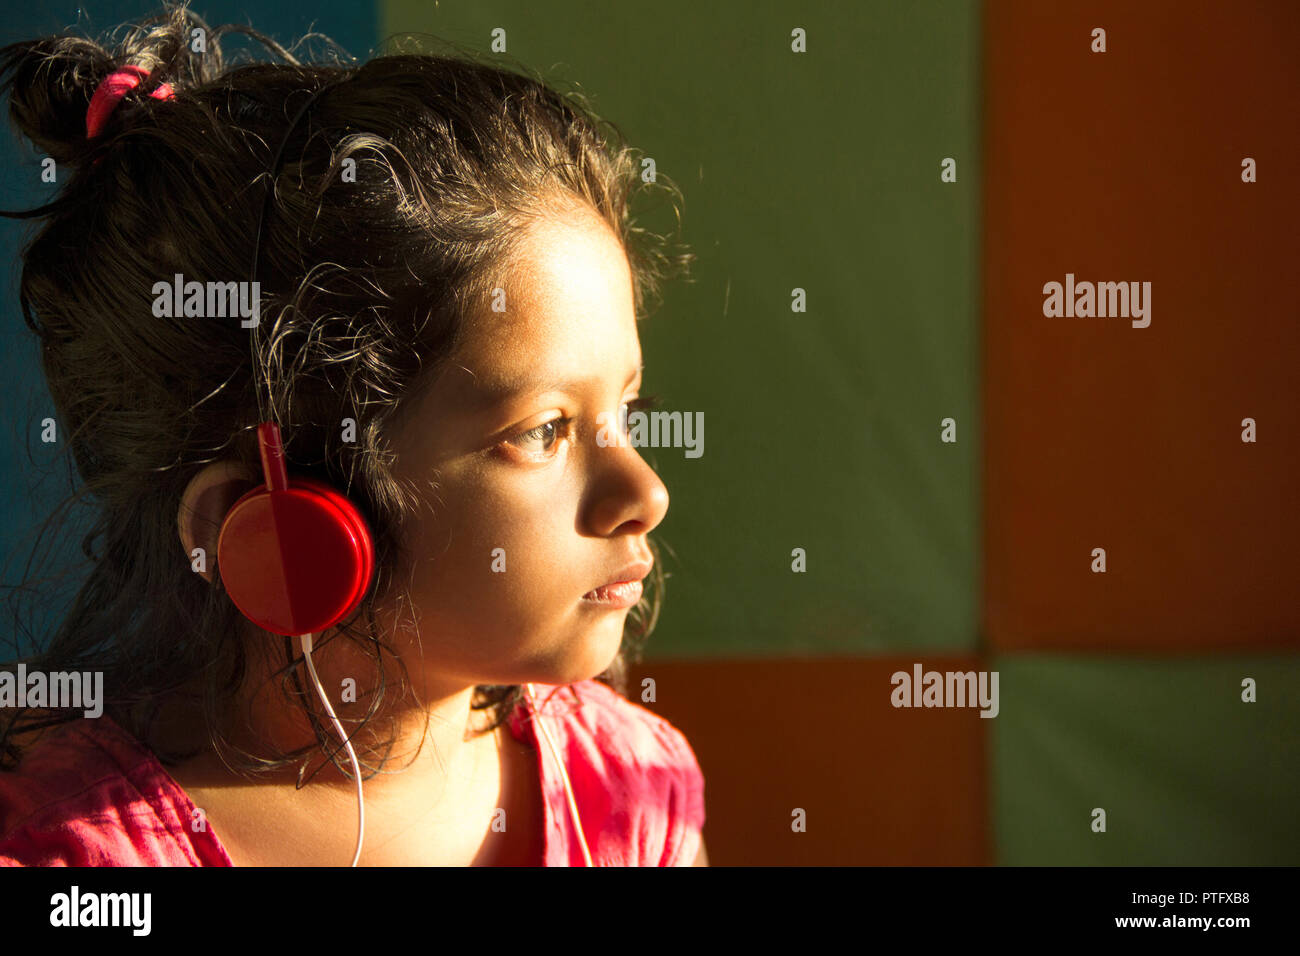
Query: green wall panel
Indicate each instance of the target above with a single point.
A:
(1187, 773)
(818, 171)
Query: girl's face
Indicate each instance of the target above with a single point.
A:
(525, 511)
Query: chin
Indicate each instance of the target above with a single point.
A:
(587, 658)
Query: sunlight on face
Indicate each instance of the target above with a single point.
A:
(509, 435)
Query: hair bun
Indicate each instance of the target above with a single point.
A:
(50, 82)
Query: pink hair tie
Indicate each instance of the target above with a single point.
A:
(110, 92)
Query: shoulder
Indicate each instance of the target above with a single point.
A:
(635, 769)
(86, 793)
(633, 729)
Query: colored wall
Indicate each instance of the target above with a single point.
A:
(970, 547)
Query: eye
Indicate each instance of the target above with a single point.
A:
(541, 440)
(641, 404)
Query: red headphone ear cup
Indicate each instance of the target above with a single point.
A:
(295, 561)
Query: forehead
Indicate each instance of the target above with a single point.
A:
(568, 314)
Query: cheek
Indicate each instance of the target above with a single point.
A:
(496, 560)
(514, 614)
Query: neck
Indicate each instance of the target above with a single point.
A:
(426, 736)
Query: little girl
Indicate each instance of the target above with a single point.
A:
(403, 294)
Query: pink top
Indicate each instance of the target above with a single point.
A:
(90, 794)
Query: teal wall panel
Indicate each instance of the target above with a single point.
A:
(35, 477)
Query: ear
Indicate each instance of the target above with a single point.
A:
(208, 497)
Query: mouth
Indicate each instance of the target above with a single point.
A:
(622, 595)
(623, 590)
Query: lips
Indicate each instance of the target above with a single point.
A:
(623, 588)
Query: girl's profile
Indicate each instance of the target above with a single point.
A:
(426, 271)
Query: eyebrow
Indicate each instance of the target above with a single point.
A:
(491, 392)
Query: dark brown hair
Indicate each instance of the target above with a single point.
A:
(366, 285)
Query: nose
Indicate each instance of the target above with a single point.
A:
(626, 497)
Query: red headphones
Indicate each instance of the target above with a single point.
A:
(295, 556)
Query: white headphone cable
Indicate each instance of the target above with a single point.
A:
(564, 775)
(356, 766)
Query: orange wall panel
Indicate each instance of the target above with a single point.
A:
(880, 785)
(1127, 166)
